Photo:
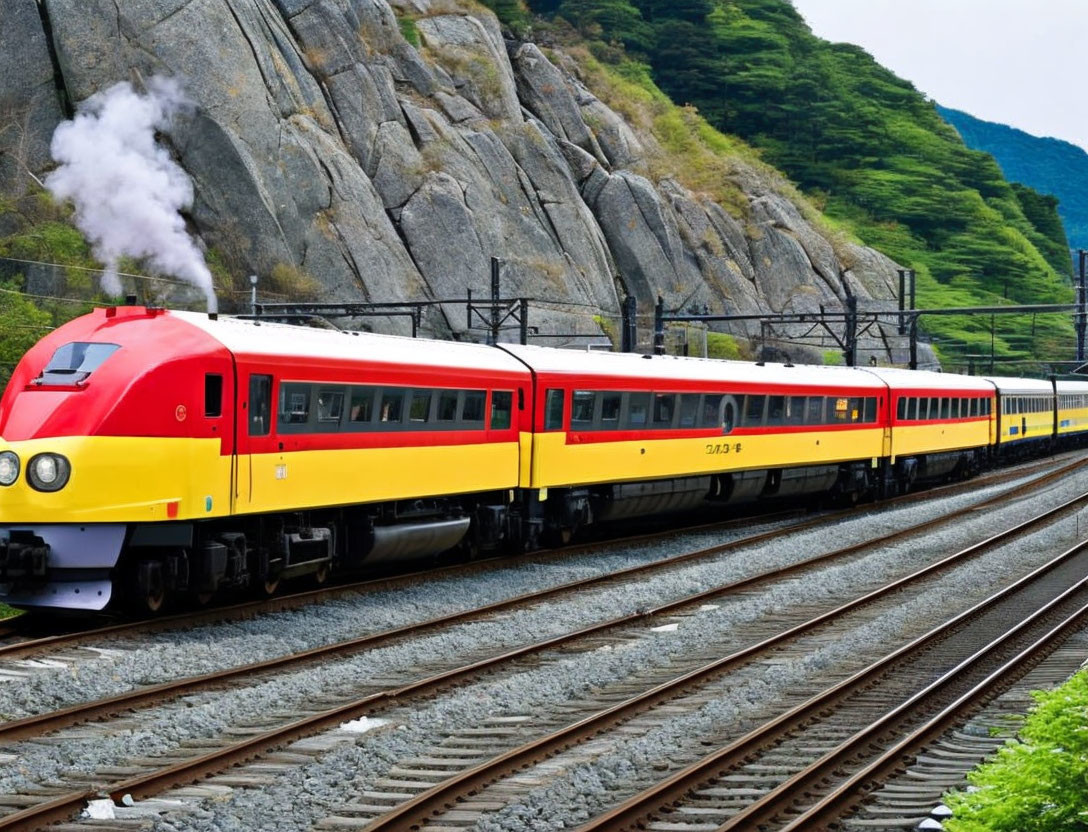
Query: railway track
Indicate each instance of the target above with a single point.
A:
(188, 764)
(14, 730)
(22, 638)
(807, 767)
(912, 795)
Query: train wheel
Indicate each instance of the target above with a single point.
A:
(202, 599)
(268, 586)
(146, 593)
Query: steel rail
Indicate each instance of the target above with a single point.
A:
(832, 805)
(412, 813)
(249, 609)
(194, 769)
(38, 724)
(636, 810)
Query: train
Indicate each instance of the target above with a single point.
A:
(151, 457)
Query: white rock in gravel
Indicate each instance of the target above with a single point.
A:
(100, 810)
(363, 724)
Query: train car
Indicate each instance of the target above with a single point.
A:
(618, 435)
(1072, 416)
(171, 454)
(941, 424)
(1025, 415)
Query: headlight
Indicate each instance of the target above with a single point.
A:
(48, 472)
(9, 468)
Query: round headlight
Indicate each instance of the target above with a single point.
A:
(9, 468)
(48, 472)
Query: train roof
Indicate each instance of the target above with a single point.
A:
(1072, 386)
(1021, 386)
(270, 340)
(680, 368)
(900, 379)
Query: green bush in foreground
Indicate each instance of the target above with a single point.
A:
(1039, 783)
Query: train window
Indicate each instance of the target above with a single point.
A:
(581, 409)
(711, 416)
(972, 407)
(420, 408)
(839, 409)
(855, 410)
(934, 408)
(729, 415)
(73, 362)
(553, 410)
(689, 410)
(664, 409)
(213, 395)
(795, 410)
(870, 410)
(753, 410)
(330, 405)
(502, 407)
(776, 410)
(986, 407)
(294, 404)
(472, 411)
(611, 405)
(260, 405)
(814, 410)
(362, 404)
(945, 410)
(638, 410)
(901, 409)
(447, 406)
(392, 409)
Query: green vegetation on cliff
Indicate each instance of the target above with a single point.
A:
(1048, 165)
(867, 147)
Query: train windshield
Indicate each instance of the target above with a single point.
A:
(74, 362)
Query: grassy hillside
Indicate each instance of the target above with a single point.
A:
(866, 146)
(1047, 165)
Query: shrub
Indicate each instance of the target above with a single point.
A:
(1038, 783)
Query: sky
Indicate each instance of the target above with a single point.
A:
(1017, 62)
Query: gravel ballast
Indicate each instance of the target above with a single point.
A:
(311, 790)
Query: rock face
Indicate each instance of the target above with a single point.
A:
(323, 141)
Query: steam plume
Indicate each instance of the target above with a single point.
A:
(126, 189)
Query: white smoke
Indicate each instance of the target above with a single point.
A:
(126, 189)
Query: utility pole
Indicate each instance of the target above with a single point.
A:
(629, 332)
(1081, 317)
(851, 336)
(493, 337)
(659, 326)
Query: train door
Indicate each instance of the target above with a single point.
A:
(254, 428)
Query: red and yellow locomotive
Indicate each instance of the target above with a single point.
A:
(150, 455)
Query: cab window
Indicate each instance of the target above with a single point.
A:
(74, 362)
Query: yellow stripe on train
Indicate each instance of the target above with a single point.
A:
(122, 479)
(300, 479)
(556, 463)
(939, 437)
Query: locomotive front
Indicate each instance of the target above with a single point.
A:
(112, 428)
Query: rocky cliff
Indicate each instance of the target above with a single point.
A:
(324, 143)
